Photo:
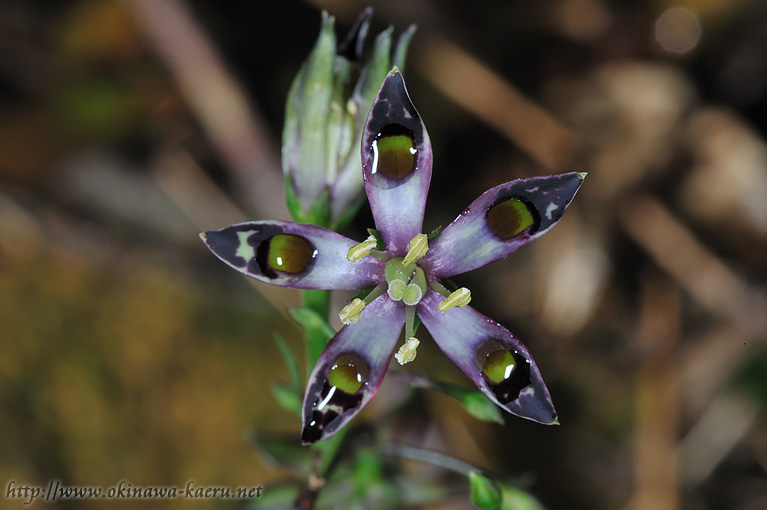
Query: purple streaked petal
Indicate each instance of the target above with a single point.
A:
(492, 227)
(468, 338)
(396, 164)
(364, 348)
(293, 255)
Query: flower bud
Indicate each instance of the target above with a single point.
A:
(325, 112)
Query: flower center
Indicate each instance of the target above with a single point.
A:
(406, 282)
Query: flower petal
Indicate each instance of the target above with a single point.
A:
(396, 164)
(489, 355)
(293, 255)
(501, 220)
(351, 369)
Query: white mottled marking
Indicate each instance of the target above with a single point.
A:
(245, 250)
(550, 209)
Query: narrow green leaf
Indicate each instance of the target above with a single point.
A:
(287, 398)
(480, 407)
(517, 499)
(290, 361)
(317, 332)
(484, 492)
(475, 402)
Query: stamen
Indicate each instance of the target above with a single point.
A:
(416, 249)
(351, 312)
(459, 298)
(407, 352)
(362, 249)
(409, 321)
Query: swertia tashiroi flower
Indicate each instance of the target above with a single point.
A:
(406, 270)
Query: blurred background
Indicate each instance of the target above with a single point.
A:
(127, 351)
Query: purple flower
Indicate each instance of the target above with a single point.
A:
(406, 271)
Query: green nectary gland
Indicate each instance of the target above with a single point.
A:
(348, 373)
(396, 153)
(286, 253)
(509, 218)
(499, 365)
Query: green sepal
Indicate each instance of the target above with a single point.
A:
(434, 233)
(287, 398)
(363, 293)
(290, 361)
(475, 402)
(319, 214)
(416, 323)
(484, 492)
(316, 331)
(379, 239)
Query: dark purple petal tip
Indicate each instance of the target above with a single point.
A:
(396, 163)
(500, 221)
(350, 369)
(491, 357)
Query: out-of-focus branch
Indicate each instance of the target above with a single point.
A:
(700, 272)
(657, 402)
(208, 208)
(219, 102)
(481, 91)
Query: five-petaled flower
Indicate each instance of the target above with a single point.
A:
(406, 271)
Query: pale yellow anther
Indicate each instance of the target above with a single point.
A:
(459, 298)
(416, 249)
(358, 251)
(407, 352)
(351, 312)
